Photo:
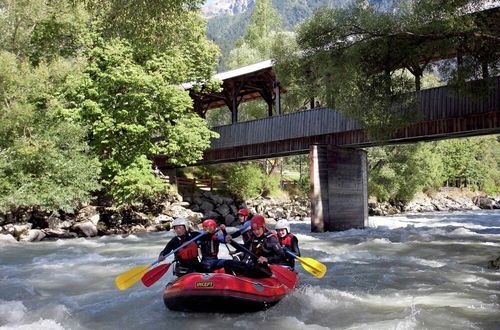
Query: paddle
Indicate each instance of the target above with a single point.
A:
(312, 266)
(156, 273)
(127, 279)
(282, 274)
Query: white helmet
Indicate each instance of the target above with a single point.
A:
(180, 222)
(283, 224)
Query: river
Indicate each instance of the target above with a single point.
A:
(413, 271)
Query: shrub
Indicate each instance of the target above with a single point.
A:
(136, 184)
(246, 181)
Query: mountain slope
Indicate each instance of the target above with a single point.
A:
(225, 29)
(226, 7)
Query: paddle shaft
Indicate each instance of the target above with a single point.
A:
(127, 279)
(238, 246)
(296, 256)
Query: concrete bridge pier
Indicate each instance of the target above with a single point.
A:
(339, 188)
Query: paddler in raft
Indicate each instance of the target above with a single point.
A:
(244, 231)
(187, 257)
(287, 241)
(262, 243)
(209, 247)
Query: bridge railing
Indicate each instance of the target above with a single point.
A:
(202, 184)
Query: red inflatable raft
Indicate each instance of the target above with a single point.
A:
(223, 293)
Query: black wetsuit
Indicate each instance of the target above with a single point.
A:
(209, 247)
(266, 246)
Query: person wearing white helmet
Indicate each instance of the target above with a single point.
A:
(187, 257)
(288, 241)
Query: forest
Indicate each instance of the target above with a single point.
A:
(90, 90)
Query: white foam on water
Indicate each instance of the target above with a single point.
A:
(290, 322)
(55, 260)
(41, 324)
(132, 237)
(80, 241)
(11, 311)
(427, 262)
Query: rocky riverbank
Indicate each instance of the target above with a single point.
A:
(32, 225)
(453, 199)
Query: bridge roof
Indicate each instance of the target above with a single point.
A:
(238, 72)
(248, 83)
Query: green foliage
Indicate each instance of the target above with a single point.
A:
(475, 160)
(44, 160)
(254, 47)
(127, 106)
(156, 26)
(226, 30)
(136, 184)
(265, 20)
(94, 86)
(399, 172)
(43, 30)
(270, 185)
(350, 58)
(245, 181)
(257, 43)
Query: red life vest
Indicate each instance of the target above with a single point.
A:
(188, 252)
(287, 240)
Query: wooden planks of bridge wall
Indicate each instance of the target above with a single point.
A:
(339, 194)
(442, 114)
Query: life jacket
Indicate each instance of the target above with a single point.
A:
(188, 252)
(287, 240)
(258, 245)
(209, 247)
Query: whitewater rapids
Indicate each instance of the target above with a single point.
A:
(413, 271)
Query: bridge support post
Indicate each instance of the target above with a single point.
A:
(339, 188)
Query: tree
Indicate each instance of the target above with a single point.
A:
(397, 173)
(256, 45)
(124, 61)
(44, 159)
(351, 57)
(470, 160)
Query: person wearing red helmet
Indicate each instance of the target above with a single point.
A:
(244, 231)
(209, 247)
(263, 244)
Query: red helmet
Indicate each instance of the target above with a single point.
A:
(258, 221)
(209, 223)
(244, 212)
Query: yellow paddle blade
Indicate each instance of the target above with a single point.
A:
(127, 279)
(313, 267)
